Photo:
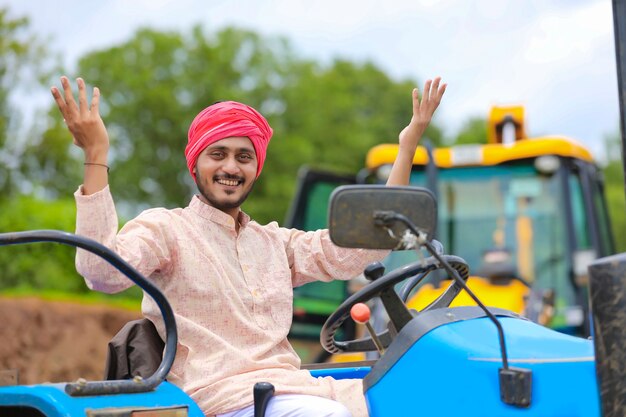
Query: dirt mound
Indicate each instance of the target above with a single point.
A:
(57, 341)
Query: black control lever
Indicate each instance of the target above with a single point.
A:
(262, 392)
(374, 271)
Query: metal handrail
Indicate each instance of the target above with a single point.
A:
(138, 384)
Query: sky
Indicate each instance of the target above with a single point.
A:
(555, 57)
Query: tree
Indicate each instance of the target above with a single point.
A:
(43, 267)
(332, 116)
(474, 130)
(155, 83)
(21, 58)
(152, 86)
(614, 190)
(39, 265)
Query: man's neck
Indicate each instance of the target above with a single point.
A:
(232, 212)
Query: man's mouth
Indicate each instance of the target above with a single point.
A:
(230, 182)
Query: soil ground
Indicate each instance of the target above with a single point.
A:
(51, 341)
(55, 341)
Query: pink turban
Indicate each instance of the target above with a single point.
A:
(224, 120)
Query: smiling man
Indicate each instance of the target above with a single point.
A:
(229, 279)
(225, 153)
(236, 159)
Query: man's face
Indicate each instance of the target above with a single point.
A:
(225, 173)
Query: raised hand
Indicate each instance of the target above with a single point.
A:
(422, 112)
(87, 128)
(83, 120)
(410, 136)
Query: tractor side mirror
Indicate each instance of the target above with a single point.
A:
(352, 210)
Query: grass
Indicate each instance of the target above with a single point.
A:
(126, 300)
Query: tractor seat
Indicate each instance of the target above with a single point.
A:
(137, 350)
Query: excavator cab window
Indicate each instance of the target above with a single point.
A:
(516, 209)
(546, 214)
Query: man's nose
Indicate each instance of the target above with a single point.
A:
(231, 166)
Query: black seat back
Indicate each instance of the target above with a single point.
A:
(136, 350)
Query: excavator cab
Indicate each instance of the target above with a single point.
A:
(528, 215)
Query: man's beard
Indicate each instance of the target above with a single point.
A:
(214, 201)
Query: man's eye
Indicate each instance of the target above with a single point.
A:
(245, 156)
(217, 154)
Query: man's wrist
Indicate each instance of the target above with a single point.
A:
(100, 156)
(407, 150)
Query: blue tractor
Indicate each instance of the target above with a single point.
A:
(473, 361)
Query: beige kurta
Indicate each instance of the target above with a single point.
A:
(231, 292)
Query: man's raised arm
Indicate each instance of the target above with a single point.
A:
(410, 136)
(88, 130)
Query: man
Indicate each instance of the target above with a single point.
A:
(230, 280)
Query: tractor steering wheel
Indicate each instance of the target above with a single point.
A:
(397, 311)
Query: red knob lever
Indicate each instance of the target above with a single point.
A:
(361, 314)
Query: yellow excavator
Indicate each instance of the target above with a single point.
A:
(527, 214)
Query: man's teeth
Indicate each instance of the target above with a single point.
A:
(228, 182)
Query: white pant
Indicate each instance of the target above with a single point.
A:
(296, 405)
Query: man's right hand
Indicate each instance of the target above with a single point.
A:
(87, 129)
(82, 120)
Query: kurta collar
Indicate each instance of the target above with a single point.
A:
(211, 213)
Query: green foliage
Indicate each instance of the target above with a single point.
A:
(617, 209)
(326, 116)
(152, 87)
(12, 52)
(128, 301)
(474, 130)
(41, 267)
(332, 117)
(25, 63)
(614, 190)
(21, 55)
(38, 265)
(154, 84)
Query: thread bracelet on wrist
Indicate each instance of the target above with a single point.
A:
(97, 164)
